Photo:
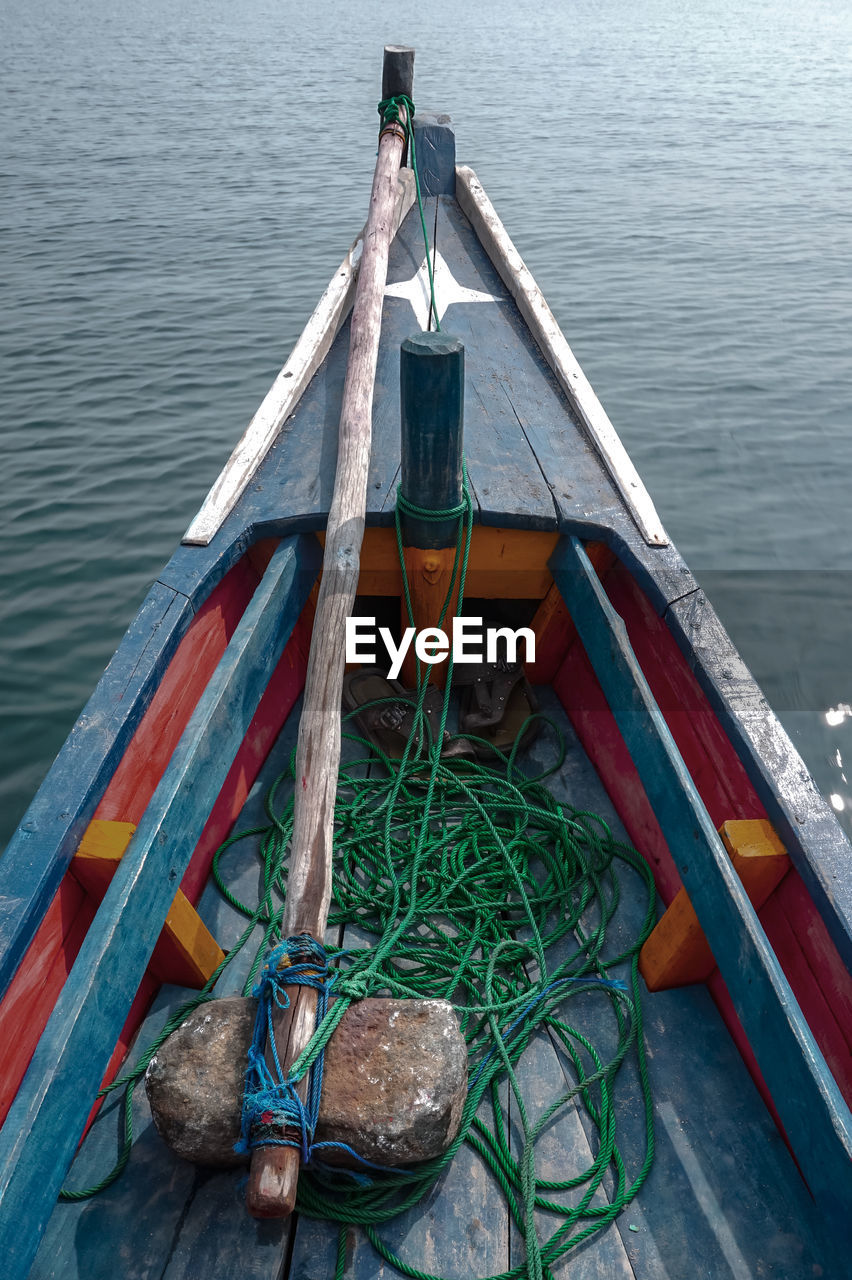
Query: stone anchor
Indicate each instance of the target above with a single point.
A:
(394, 1083)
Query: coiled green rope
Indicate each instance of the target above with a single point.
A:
(472, 884)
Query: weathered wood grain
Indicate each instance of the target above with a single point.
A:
(685, 1221)
(275, 1170)
(503, 368)
(435, 141)
(555, 349)
(306, 357)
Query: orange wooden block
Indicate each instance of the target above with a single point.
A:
(186, 953)
(504, 564)
(677, 952)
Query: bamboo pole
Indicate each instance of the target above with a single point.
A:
(274, 1169)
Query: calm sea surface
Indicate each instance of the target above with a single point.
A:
(180, 180)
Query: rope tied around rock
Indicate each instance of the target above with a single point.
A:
(273, 1114)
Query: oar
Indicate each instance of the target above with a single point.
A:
(275, 1169)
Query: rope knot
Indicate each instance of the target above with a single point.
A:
(389, 111)
(273, 1113)
(354, 987)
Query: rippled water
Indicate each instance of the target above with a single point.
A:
(180, 180)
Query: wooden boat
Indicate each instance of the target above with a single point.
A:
(749, 1029)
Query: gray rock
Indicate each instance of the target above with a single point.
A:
(195, 1081)
(394, 1085)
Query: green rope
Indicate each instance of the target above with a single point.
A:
(389, 111)
(475, 885)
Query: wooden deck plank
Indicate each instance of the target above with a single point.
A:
(562, 1151)
(569, 1144)
(398, 323)
(561, 359)
(291, 490)
(164, 1218)
(203, 1228)
(500, 358)
(705, 1199)
(459, 1229)
(48, 1115)
(127, 1229)
(215, 1228)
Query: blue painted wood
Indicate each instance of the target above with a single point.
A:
(196, 571)
(128, 1229)
(432, 421)
(815, 841)
(39, 852)
(705, 1201)
(41, 1132)
(435, 144)
(506, 479)
(814, 1114)
(164, 1217)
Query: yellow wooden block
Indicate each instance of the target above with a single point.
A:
(186, 953)
(677, 952)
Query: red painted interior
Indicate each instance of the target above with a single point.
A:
(791, 921)
(144, 762)
(285, 685)
(40, 977)
(35, 988)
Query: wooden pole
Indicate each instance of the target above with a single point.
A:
(431, 379)
(275, 1170)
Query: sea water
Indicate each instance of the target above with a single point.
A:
(179, 181)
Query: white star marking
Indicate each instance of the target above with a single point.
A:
(447, 291)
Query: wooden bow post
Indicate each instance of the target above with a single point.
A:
(275, 1169)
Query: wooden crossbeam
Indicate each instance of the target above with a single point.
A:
(504, 564)
(186, 953)
(677, 953)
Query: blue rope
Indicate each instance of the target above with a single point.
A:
(273, 1114)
